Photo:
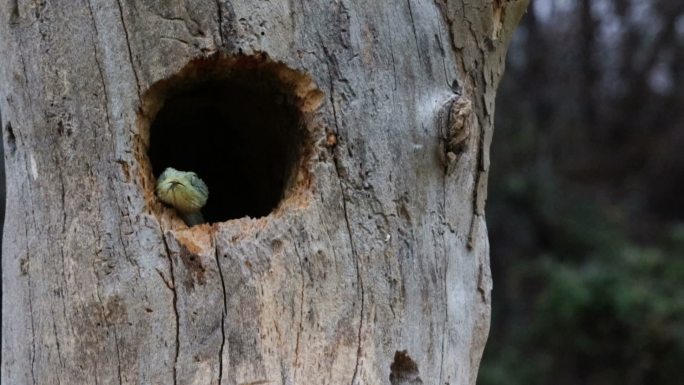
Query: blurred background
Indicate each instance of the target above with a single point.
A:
(586, 200)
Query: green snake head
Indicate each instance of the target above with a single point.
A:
(185, 191)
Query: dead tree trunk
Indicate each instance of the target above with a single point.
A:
(345, 145)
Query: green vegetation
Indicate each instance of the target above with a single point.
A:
(612, 317)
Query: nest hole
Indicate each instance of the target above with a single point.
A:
(240, 124)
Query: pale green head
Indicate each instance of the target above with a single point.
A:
(183, 190)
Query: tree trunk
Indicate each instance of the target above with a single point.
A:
(355, 253)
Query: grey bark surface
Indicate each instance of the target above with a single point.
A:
(376, 273)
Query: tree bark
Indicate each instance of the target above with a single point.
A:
(375, 271)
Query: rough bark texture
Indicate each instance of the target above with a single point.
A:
(375, 271)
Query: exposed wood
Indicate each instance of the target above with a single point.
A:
(381, 256)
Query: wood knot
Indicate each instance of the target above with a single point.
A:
(457, 122)
(459, 125)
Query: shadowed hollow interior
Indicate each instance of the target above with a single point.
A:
(238, 128)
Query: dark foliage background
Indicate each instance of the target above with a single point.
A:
(586, 202)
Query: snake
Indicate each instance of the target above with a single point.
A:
(185, 192)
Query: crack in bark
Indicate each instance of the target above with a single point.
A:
(192, 31)
(175, 302)
(130, 51)
(221, 349)
(348, 225)
(446, 301)
(413, 26)
(443, 52)
(445, 176)
(33, 331)
(394, 63)
(108, 112)
(99, 68)
(19, 134)
(124, 241)
(358, 277)
(103, 313)
(168, 285)
(198, 26)
(54, 331)
(327, 234)
(52, 311)
(103, 318)
(176, 39)
(220, 21)
(301, 310)
(60, 169)
(118, 355)
(358, 350)
(30, 290)
(65, 294)
(225, 310)
(346, 219)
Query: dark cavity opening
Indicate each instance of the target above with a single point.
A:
(240, 124)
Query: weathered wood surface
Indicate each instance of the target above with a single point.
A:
(384, 252)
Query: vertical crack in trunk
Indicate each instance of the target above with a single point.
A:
(446, 300)
(225, 309)
(219, 13)
(359, 280)
(103, 315)
(413, 26)
(301, 311)
(358, 271)
(33, 331)
(118, 355)
(130, 51)
(30, 303)
(358, 350)
(96, 54)
(57, 343)
(476, 215)
(223, 314)
(348, 225)
(444, 218)
(60, 168)
(175, 304)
